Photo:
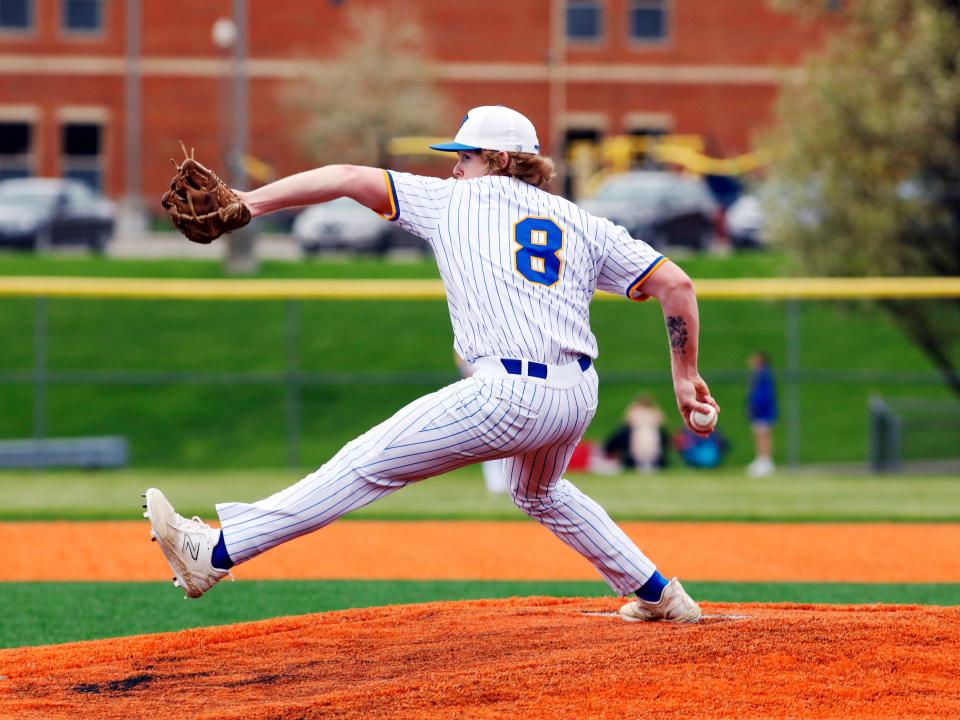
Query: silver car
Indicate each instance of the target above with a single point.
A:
(40, 213)
(745, 222)
(346, 225)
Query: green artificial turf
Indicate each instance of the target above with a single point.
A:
(45, 613)
(674, 495)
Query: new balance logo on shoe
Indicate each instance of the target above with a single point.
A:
(189, 547)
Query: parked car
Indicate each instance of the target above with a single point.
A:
(745, 221)
(346, 225)
(748, 219)
(662, 208)
(49, 212)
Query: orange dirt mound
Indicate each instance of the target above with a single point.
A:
(533, 657)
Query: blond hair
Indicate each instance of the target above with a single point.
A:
(533, 169)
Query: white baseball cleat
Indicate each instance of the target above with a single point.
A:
(186, 544)
(674, 606)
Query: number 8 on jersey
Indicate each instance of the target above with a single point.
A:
(540, 239)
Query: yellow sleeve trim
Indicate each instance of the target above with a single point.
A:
(634, 292)
(392, 195)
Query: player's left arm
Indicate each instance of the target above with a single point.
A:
(367, 185)
(674, 290)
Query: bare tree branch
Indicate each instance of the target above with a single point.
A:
(379, 86)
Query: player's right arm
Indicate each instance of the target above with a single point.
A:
(674, 290)
(636, 269)
(368, 186)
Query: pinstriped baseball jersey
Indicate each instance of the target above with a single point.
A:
(519, 264)
(520, 267)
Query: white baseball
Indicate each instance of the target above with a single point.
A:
(704, 422)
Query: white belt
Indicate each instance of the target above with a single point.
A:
(558, 376)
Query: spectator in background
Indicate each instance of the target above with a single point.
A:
(700, 452)
(645, 420)
(641, 441)
(762, 413)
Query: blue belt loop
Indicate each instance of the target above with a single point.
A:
(514, 367)
(537, 370)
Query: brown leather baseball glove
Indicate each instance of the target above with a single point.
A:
(200, 204)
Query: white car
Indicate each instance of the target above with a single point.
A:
(346, 225)
(744, 222)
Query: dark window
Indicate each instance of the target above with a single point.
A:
(584, 20)
(574, 134)
(13, 173)
(81, 139)
(651, 132)
(15, 143)
(14, 138)
(647, 138)
(570, 136)
(648, 20)
(83, 15)
(82, 153)
(16, 14)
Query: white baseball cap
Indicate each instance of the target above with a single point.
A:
(494, 127)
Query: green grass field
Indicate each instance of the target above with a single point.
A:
(741, 265)
(366, 360)
(676, 495)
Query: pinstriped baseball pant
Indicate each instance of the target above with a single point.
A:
(531, 424)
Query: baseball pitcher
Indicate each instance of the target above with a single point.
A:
(520, 267)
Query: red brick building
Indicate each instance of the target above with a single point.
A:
(578, 68)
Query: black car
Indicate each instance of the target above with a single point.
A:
(660, 208)
(40, 213)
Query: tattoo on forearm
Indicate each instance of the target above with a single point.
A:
(677, 331)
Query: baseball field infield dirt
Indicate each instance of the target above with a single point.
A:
(744, 552)
(517, 658)
(526, 657)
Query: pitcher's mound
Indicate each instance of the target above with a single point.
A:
(523, 657)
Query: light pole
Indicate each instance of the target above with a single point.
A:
(557, 87)
(230, 33)
(224, 35)
(132, 218)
